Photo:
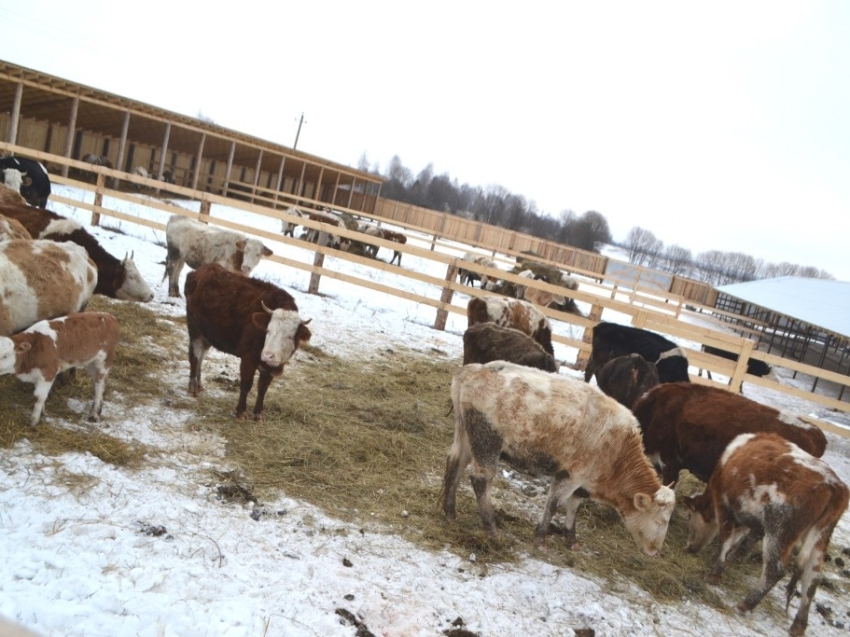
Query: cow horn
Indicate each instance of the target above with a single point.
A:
(265, 307)
(306, 322)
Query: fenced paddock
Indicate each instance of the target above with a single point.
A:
(440, 258)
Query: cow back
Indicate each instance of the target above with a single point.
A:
(485, 342)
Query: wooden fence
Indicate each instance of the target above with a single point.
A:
(657, 310)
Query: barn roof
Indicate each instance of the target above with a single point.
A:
(822, 303)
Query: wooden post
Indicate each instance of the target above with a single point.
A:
(741, 367)
(440, 231)
(205, 210)
(199, 158)
(446, 298)
(256, 179)
(583, 357)
(72, 130)
(229, 168)
(122, 144)
(318, 261)
(98, 199)
(16, 113)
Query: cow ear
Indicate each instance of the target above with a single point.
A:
(267, 252)
(26, 180)
(240, 244)
(20, 348)
(642, 502)
(303, 333)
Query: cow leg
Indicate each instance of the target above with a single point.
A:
(485, 445)
(562, 489)
(482, 482)
(396, 254)
(198, 347)
(730, 536)
(98, 372)
(458, 459)
(247, 369)
(42, 389)
(173, 266)
(262, 385)
(807, 568)
(771, 572)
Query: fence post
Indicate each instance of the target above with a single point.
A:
(324, 239)
(446, 298)
(98, 199)
(583, 356)
(205, 210)
(741, 367)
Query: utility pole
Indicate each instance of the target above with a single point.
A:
(301, 121)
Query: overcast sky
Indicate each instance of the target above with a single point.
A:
(721, 125)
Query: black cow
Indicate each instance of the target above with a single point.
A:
(28, 177)
(611, 340)
(627, 378)
(755, 367)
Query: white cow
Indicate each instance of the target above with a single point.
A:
(195, 244)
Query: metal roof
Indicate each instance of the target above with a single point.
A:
(822, 303)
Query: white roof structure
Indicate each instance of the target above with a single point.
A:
(821, 303)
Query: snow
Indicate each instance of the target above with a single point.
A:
(93, 563)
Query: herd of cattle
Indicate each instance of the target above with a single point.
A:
(623, 441)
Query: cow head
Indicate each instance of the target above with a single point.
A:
(252, 251)
(285, 331)
(134, 287)
(649, 519)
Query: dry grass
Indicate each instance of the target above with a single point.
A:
(366, 442)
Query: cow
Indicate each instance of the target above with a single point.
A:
(627, 378)
(485, 342)
(755, 367)
(288, 227)
(325, 238)
(194, 243)
(100, 160)
(468, 277)
(766, 486)
(9, 195)
(590, 442)
(27, 176)
(245, 317)
(687, 426)
(12, 229)
(611, 340)
(116, 278)
(511, 313)
(42, 280)
(39, 353)
(395, 237)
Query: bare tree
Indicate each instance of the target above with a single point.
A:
(677, 260)
(643, 246)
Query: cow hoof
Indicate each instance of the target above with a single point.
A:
(258, 418)
(241, 415)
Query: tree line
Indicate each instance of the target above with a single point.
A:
(496, 205)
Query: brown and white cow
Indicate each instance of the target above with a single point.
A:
(687, 426)
(486, 342)
(767, 486)
(42, 279)
(194, 244)
(9, 195)
(627, 378)
(513, 313)
(288, 227)
(314, 235)
(12, 229)
(591, 442)
(39, 353)
(252, 319)
(468, 277)
(116, 278)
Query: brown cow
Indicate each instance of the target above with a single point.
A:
(513, 313)
(627, 378)
(118, 279)
(40, 352)
(687, 426)
(252, 319)
(765, 485)
(485, 342)
(10, 195)
(592, 443)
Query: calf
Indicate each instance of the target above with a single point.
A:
(468, 277)
(194, 243)
(611, 340)
(765, 485)
(287, 228)
(627, 378)
(485, 342)
(39, 353)
(118, 279)
(590, 441)
(27, 176)
(687, 426)
(513, 313)
(755, 367)
(42, 280)
(254, 320)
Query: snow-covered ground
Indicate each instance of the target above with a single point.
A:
(92, 564)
